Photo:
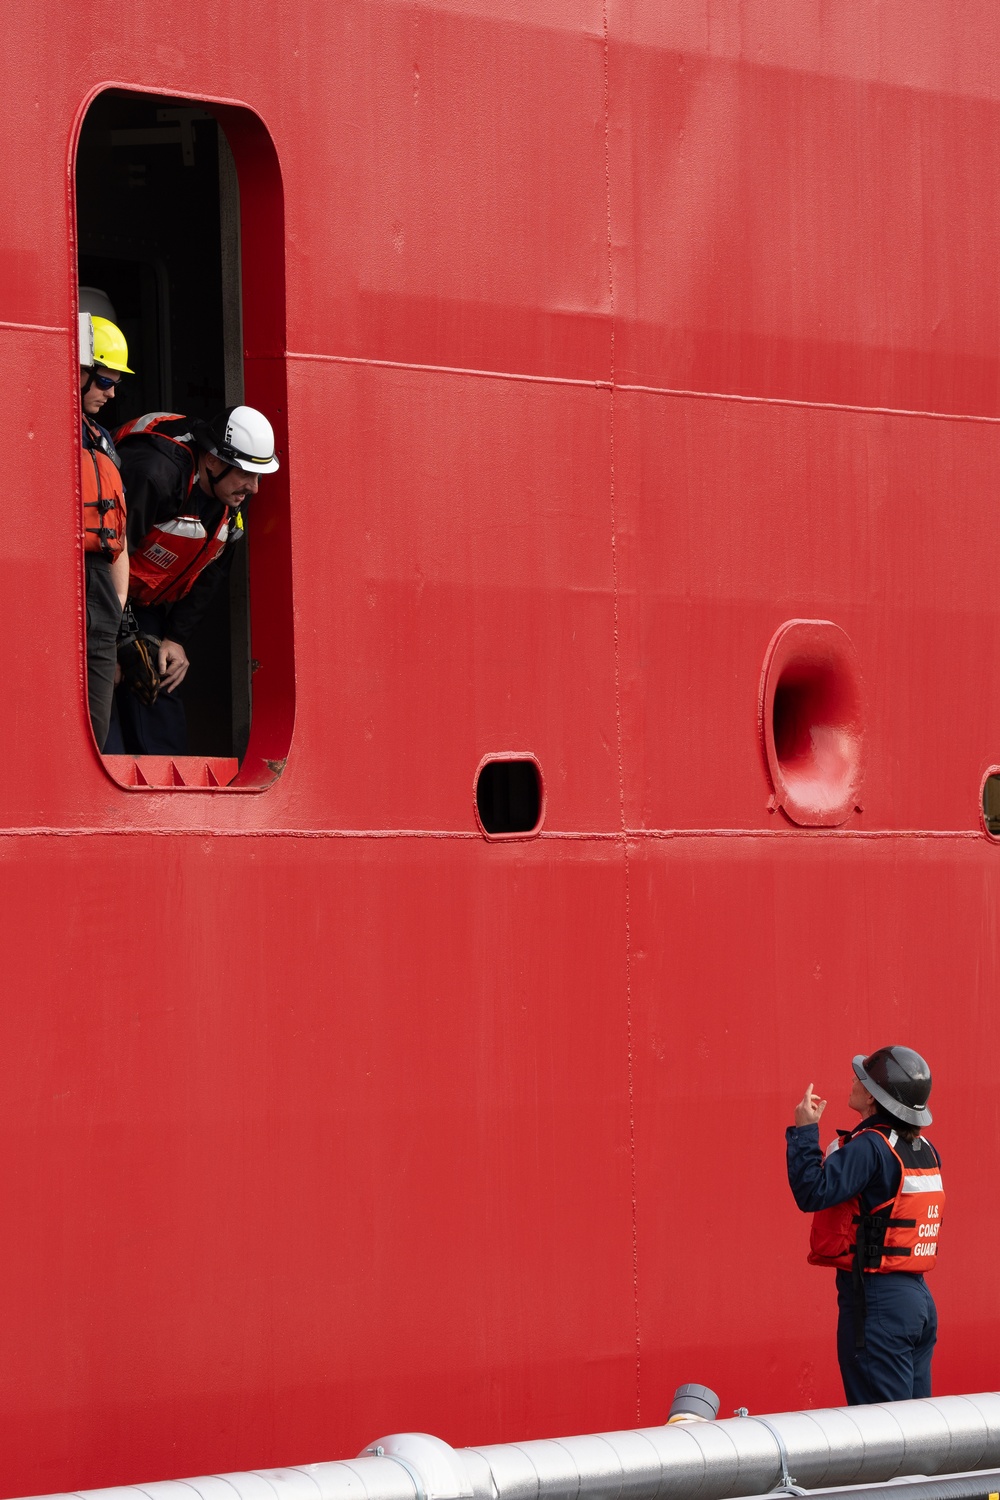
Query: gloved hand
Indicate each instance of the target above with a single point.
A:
(138, 654)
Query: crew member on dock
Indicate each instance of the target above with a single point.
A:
(877, 1202)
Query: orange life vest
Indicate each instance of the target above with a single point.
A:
(103, 498)
(167, 562)
(170, 557)
(898, 1235)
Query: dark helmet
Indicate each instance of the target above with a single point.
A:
(900, 1080)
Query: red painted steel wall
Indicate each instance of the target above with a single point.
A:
(617, 334)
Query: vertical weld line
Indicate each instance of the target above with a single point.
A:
(618, 714)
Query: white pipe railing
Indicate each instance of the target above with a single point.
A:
(688, 1461)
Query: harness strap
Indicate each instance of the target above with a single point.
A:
(860, 1296)
(869, 1249)
(214, 479)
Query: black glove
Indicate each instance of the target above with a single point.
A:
(138, 657)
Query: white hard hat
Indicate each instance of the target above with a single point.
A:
(242, 437)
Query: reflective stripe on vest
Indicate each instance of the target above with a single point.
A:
(103, 503)
(929, 1184)
(171, 556)
(153, 425)
(898, 1235)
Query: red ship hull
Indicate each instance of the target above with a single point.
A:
(610, 338)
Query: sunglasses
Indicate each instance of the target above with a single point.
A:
(104, 382)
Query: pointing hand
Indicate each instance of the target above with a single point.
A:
(811, 1106)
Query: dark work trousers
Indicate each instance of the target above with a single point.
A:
(900, 1334)
(162, 728)
(104, 615)
(114, 744)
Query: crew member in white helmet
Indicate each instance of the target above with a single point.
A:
(186, 482)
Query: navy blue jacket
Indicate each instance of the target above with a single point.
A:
(88, 441)
(105, 441)
(863, 1166)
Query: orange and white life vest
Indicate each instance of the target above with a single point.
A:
(170, 557)
(167, 427)
(103, 497)
(898, 1235)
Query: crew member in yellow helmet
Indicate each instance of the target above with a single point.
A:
(103, 362)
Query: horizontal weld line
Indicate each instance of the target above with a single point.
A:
(168, 831)
(30, 327)
(875, 411)
(561, 380)
(809, 833)
(649, 390)
(400, 364)
(628, 835)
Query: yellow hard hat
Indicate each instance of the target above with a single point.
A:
(110, 348)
